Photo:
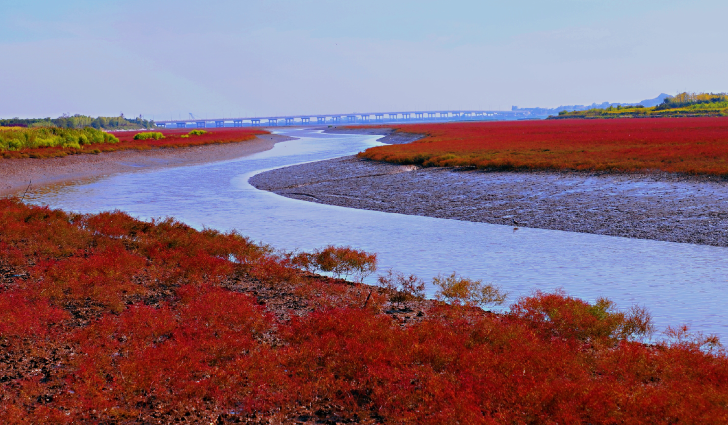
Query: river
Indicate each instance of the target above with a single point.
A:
(678, 283)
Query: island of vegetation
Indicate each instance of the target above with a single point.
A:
(108, 319)
(681, 105)
(694, 146)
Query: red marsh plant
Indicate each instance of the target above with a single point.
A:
(109, 319)
(679, 145)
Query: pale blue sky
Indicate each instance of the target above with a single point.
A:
(167, 58)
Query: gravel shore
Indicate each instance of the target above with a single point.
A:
(663, 207)
(15, 174)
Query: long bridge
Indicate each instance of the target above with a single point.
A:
(352, 118)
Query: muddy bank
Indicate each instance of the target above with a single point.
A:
(16, 173)
(648, 206)
(389, 135)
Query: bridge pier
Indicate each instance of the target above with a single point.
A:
(378, 117)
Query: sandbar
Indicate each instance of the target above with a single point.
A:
(17, 174)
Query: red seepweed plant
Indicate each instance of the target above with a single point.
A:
(680, 145)
(108, 319)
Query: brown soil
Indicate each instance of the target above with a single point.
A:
(16, 174)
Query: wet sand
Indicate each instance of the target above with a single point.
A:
(659, 206)
(15, 174)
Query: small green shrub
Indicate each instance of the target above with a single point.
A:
(196, 133)
(49, 137)
(155, 135)
(455, 289)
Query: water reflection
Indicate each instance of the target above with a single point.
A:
(679, 283)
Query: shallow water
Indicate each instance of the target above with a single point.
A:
(679, 283)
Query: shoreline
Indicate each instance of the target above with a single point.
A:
(388, 134)
(661, 206)
(15, 174)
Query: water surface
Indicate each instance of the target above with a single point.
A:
(679, 283)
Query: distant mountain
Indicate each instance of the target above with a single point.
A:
(604, 105)
(654, 102)
(680, 105)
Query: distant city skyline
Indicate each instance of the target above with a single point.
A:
(165, 59)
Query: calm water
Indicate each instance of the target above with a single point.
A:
(679, 283)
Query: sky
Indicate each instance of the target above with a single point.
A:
(166, 59)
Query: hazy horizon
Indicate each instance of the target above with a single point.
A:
(165, 59)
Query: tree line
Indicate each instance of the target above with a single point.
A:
(81, 121)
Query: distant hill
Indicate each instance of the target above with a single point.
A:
(653, 102)
(544, 112)
(680, 105)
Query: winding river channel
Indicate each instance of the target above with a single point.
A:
(678, 283)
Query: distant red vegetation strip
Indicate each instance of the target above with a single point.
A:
(172, 139)
(107, 319)
(680, 145)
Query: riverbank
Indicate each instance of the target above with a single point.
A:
(16, 174)
(664, 207)
(694, 146)
(390, 136)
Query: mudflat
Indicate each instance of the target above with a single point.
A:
(17, 174)
(659, 206)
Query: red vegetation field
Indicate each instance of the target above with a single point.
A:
(106, 319)
(172, 139)
(680, 145)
